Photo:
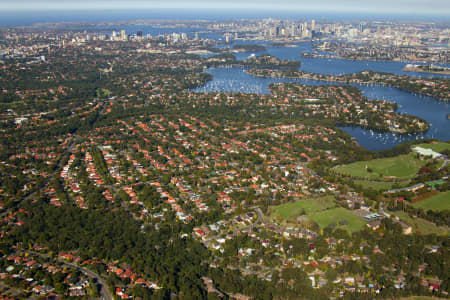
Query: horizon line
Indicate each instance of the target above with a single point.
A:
(221, 9)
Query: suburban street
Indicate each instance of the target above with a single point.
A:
(104, 292)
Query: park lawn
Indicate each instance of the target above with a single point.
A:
(437, 147)
(104, 91)
(421, 298)
(378, 185)
(420, 225)
(326, 217)
(437, 202)
(403, 166)
(288, 210)
(426, 227)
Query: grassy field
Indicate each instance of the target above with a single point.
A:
(377, 185)
(336, 215)
(402, 166)
(438, 147)
(321, 210)
(421, 298)
(438, 202)
(420, 225)
(288, 210)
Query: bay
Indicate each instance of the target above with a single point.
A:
(234, 79)
(330, 66)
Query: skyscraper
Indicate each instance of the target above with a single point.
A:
(123, 35)
(361, 27)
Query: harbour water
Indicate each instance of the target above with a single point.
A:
(234, 79)
(330, 66)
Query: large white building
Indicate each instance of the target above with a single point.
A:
(426, 152)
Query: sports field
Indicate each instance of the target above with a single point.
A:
(438, 146)
(288, 210)
(402, 167)
(337, 215)
(378, 185)
(421, 298)
(321, 210)
(437, 202)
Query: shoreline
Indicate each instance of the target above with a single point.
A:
(315, 76)
(419, 69)
(324, 56)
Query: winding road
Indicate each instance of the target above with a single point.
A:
(104, 292)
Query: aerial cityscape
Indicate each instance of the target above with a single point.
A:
(212, 150)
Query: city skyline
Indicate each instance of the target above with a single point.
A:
(432, 7)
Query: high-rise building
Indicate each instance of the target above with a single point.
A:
(139, 33)
(292, 30)
(353, 33)
(123, 35)
(313, 25)
(361, 27)
(306, 34)
(175, 37)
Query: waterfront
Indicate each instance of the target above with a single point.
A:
(236, 80)
(331, 66)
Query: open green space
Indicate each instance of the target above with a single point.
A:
(322, 210)
(438, 146)
(438, 202)
(379, 185)
(105, 92)
(288, 210)
(435, 183)
(420, 225)
(339, 215)
(402, 166)
(421, 298)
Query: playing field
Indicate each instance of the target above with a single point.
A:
(402, 166)
(438, 147)
(440, 201)
(378, 185)
(421, 298)
(336, 215)
(288, 210)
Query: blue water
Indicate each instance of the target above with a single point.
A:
(339, 66)
(234, 79)
(29, 17)
(434, 111)
(331, 66)
(156, 30)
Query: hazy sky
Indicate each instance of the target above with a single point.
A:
(441, 7)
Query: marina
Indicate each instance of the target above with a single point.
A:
(235, 79)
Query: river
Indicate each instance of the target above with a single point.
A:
(236, 80)
(330, 66)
